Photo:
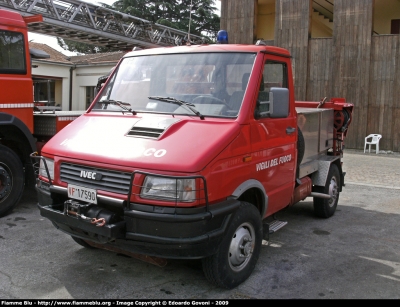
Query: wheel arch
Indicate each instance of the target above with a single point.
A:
(23, 134)
(14, 130)
(319, 177)
(252, 191)
(15, 135)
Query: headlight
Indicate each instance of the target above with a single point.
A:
(169, 189)
(50, 166)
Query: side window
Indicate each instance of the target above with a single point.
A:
(274, 75)
(12, 53)
(44, 91)
(90, 94)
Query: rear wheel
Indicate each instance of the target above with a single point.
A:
(300, 146)
(238, 252)
(326, 207)
(12, 179)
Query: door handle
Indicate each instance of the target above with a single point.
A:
(290, 130)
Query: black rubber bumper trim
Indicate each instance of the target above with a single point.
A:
(223, 208)
(178, 241)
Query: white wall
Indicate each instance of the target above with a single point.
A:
(82, 76)
(86, 76)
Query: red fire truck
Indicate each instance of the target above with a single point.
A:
(189, 152)
(19, 131)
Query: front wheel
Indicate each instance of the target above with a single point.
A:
(326, 207)
(12, 180)
(239, 250)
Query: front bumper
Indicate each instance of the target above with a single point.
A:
(180, 233)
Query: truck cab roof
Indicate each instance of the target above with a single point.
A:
(212, 48)
(12, 19)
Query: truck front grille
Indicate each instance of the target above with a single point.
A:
(96, 178)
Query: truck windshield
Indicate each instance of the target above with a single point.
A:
(212, 84)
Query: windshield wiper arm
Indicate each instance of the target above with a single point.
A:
(182, 103)
(122, 105)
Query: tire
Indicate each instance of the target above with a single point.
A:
(226, 269)
(82, 242)
(12, 178)
(326, 207)
(300, 146)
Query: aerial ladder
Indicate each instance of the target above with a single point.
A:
(97, 25)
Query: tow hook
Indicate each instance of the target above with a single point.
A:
(73, 208)
(99, 222)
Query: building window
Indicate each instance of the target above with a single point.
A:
(89, 95)
(322, 19)
(386, 17)
(395, 26)
(44, 91)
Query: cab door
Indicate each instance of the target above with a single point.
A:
(274, 139)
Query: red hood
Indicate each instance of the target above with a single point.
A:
(182, 144)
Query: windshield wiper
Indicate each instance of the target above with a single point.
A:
(122, 105)
(182, 103)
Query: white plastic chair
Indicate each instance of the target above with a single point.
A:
(372, 139)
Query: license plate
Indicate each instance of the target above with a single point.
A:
(82, 193)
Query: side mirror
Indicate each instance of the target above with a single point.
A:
(274, 105)
(280, 102)
(38, 54)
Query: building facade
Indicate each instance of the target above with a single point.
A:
(69, 82)
(339, 48)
